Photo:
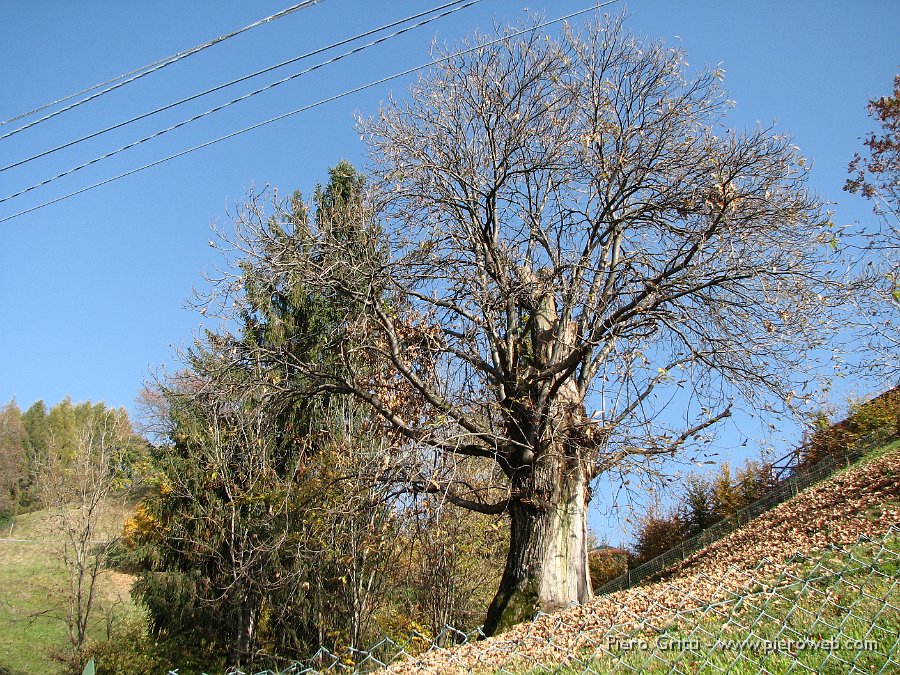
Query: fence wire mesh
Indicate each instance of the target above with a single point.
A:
(800, 478)
(836, 612)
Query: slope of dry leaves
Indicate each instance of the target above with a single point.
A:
(863, 501)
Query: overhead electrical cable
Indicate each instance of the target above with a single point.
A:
(145, 70)
(246, 96)
(79, 93)
(323, 101)
(238, 80)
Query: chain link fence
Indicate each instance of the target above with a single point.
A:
(800, 478)
(835, 612)
(838, 612)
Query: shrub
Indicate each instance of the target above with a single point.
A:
(834, 440)
(131, 650)
(128, 651)
(657, 534)
(607, 563)
(697, 508)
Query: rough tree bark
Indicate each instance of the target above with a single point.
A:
(240, 650)
(547, 562)
(546, 566)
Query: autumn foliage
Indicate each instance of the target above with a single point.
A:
(835, 440)
(703, 502)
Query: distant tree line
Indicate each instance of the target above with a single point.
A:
(704, 501)
(829, 439)
(72, 460)
(41, 443)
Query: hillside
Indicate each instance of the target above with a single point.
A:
(732, 574)
(862, 502)
(34, 587)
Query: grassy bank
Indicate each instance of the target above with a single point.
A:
(839, 613)
(34, 587)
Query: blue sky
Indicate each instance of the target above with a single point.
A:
(93, 288)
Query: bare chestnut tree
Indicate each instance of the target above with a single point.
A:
(555, 224)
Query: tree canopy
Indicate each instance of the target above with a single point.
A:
(876, 176)
(552, 225)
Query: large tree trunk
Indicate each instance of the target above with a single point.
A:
(547, 563)
(244, 632)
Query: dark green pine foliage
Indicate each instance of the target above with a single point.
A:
(286, 326)
(239, 538)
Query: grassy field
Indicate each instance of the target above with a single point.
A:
(34, 589)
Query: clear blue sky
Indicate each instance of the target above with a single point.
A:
(92, 289)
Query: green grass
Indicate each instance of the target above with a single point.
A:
(879, 451)
(33, 587)
(28, 578)
(835, 615)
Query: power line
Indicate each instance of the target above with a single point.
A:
(218, 108)
(244, 78)
(324, 101)
(145, 70)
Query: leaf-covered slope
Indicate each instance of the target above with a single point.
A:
(861, 502)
